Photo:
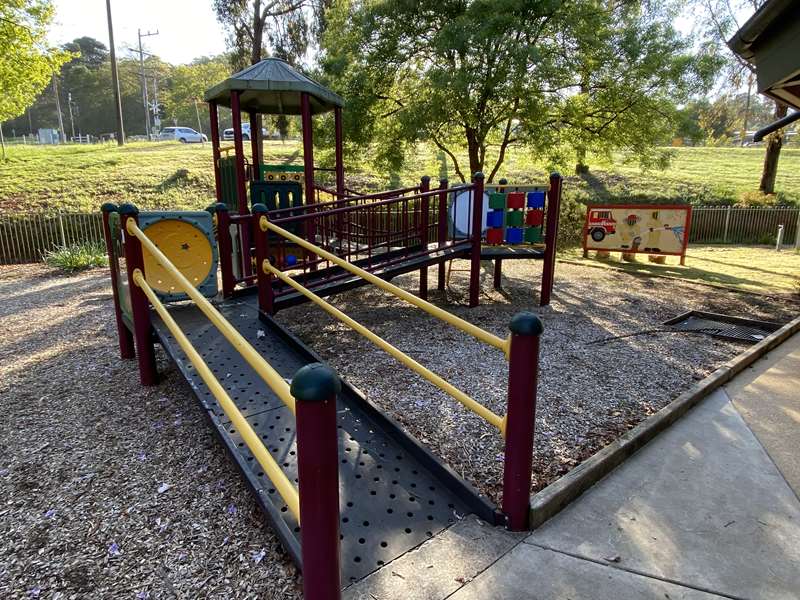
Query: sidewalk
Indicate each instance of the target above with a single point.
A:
(709, 509)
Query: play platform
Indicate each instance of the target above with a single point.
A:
(345, 487)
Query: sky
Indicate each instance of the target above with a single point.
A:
(187, 29)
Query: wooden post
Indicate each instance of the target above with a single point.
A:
(523, 373)
(266, 296)
(337, 120)
(124, 335)
(142, 330)
(477, 233)
(551, 238)
(308, 169)
(425, 207)
(442, 230)
(315, 387)
(212, 113)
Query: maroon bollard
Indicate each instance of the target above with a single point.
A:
(498, 263)
(266, 295)
(476, 235)
(315, 387)
(126, 347)
(224, 247)
(142, 329)
(523, 372)
(550, 238)
(425, 208)
(441, 232)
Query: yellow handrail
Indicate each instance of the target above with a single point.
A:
(429, 375)
(272, 378)
(250, 437)
(431, 309)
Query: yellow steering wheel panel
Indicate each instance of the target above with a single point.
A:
(185, 246)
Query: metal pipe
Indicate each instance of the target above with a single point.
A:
(273, 379)
(404, 358)
(238, 422)
(431, 309)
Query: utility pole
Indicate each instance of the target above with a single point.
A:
(71, 120)
(145, 101)
(115, 79)
(156, 115)
(61, 133)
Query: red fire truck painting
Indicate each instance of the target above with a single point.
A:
(601, 224)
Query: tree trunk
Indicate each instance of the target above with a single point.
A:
(581, 168)
(747, 108)
(474, 151)
(774, 144)
(255, 57)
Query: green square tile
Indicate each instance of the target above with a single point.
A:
(515, 218)
(497, 200)
(533, 235)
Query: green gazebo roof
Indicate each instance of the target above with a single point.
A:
(272, 86)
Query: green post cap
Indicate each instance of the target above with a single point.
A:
(555, 175)
(128, 209)
(504, 181)
(221, 207)
(315, 383)
(425, 178)
(108, 207)
(478, 175)
(526, 323)
(212, 208)
(259, 208)
(443, 181)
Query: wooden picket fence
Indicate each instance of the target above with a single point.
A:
(24, 238)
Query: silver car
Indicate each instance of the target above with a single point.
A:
(182, 134)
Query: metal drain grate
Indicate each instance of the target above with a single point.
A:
(723, 326)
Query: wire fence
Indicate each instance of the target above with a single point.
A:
(743, 225)
(26, 237)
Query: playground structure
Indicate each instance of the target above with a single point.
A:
(346, 488)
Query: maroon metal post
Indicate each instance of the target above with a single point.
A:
(523, 372)
(266, 295)
(126, 347)
(255, 147)
(142, 330)
(441, 232)
(498, 263)
(241, 184)
(315, 387)
(224, 247)
(213, 115)
(308, 169)
(551, 238)
(477, 233)
(425, 208)
(337, 124)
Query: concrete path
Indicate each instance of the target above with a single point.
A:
(703, 511)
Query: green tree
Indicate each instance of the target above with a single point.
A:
(561, 78)
(26, 62)
(185, 88)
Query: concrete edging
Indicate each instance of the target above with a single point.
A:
(556, 496)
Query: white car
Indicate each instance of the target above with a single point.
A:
(182, 134)
(227, 134)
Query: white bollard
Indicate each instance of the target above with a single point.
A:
(779, 242)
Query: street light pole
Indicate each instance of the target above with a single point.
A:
(145, 101)
(114, 79)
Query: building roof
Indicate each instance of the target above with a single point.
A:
(770, 41)
(273, 86)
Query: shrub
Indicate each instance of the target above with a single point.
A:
(77, 257)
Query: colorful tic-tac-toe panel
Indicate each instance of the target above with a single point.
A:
(515, 218)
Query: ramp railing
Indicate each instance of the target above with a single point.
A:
(521, 349)
(311, 398)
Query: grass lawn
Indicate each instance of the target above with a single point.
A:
(179, 176)
(749, 268)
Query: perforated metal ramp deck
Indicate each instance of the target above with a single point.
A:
(393, 493)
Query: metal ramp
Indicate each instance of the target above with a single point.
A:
(393, 493)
